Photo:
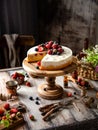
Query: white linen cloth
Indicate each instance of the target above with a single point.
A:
(10, 40)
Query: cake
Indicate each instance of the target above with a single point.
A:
(50, 56)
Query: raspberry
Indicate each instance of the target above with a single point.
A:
(7, 106)
(28, 84)
(49, 52)
(40, 49)
(39, 63)
(50, 43)
(60, 50)
(48, 46)
(69, 94)
(15, 75)
(13, 110)
(55, 46)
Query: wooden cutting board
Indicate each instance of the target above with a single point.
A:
(15, 123)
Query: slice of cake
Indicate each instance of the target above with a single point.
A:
(52, 56)
(34, 55)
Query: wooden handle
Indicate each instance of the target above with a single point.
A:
(48, 109)
(51, 112)
(48, 114)
(45, 107)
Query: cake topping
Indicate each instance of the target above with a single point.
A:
(52, 47)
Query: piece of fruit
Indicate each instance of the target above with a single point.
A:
(50, 43)
(60, 50)
(48, 46)
(69, 94)
(82, 83)
(39, 63)
(6, 106)
(28, 84)
(55, 46)
(31, 117)
(14, 76)
(50, 52)
(1, 111)
(3, 117)
(13, 116)
(40, 49)
(13, 110)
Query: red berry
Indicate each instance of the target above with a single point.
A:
(14, 76)
(69, 94)
(3, 117)
(31, 117)
(13, 110)
(48, 46)
(7, 106)
(55, 46)
(49, 52)
(40, 49)
(60, 50)
(50, 43)
(82, 83)
(39, 63)
(28, 84)
(79, 80)
(1, 111)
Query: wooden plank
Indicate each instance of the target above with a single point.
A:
(66, 117)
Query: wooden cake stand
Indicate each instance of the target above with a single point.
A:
(48, 90)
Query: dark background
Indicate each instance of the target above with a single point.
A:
(68, 22)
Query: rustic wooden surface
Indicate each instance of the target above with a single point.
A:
(69, 118)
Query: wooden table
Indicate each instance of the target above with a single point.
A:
(69, 118)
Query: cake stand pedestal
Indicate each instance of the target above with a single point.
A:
(49, 89)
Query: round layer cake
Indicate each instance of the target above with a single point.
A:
(51, 56)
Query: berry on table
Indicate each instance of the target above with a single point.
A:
(28, 84)
(31, 98)
(32, 117)
(69, 94)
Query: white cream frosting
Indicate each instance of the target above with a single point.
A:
(31, 50)
(57, 60)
